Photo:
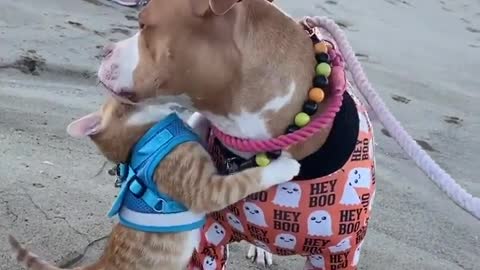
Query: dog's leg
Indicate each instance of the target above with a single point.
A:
(259, 256)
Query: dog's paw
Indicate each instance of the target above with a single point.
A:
(259, 256)
(280, 170)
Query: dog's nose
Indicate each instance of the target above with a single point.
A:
(108, 50)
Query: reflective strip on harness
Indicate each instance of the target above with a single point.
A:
(177, 222)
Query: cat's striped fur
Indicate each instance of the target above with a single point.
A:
(187, 174)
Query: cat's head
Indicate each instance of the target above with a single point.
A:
(116, 127)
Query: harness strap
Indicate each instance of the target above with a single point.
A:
(154, 201)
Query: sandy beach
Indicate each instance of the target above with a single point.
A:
(423, 57)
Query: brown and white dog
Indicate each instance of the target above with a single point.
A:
(246, 67)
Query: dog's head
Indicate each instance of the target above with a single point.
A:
(208, 54)
(116, 127)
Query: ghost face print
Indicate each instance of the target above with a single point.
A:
(341, 246)
(317, 261)
(320, 223)
(254, 214)
(360, 178)
(285, 240)
(288, 195)
(209, 263)
(234, 222)
(357, 178)
(215, 233)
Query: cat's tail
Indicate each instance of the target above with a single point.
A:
(28, 259)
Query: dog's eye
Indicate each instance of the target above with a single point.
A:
(323, 218)
(295, 189)
(284, 188)
(256, 211)
(313, 218)
(247, 208)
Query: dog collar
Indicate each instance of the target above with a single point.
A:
(330, 81)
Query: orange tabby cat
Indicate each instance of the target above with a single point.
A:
(187, 174)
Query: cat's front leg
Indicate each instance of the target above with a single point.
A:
(281, 170)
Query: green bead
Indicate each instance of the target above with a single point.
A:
(302, 119)
(262, 160)
(323, 69)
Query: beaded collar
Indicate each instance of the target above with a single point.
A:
(328, 84)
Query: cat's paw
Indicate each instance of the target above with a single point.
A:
(280, 170)
(259, 256)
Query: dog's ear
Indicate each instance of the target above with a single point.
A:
(217, 7)
(86, 126)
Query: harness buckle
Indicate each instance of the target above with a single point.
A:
(137, 188)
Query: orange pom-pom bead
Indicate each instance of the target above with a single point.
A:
(316, 94)
(321, 47)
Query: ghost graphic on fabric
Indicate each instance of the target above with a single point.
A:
(254, 214)
(288, 195)
(209, 263)
(317, 261)
(357, 178)
(285, 240)
(320, 223)
(261, 245)
(234, 222)
(363, 122)
(342, 246)
(215, 233)
(356, 256)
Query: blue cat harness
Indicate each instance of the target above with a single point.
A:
(139, 204)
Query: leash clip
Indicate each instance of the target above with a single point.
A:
(312, 32)
(115, 171)
(231, 165)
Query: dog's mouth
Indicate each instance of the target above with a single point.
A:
(318, 221)
(126, 97)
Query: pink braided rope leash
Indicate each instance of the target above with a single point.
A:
(441, 178)
(337, 87)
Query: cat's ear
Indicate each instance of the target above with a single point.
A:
(88, 125)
